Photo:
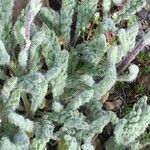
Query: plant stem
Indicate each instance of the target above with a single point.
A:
(131, 56)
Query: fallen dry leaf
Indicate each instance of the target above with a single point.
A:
(105, 97)
(113, 105)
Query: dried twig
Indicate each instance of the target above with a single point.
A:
(131, 56)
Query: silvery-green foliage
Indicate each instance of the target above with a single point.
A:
(8, 87)
(51, 47)
(71, 143)
(43, 132)
(57, 58)
(19, 141)
(4, 56)
(87, 80)
(98, 125)
(57, 106)
(35, 59)
(36, 85)
(59, 82)
(35, 6)
(108, 25)
(67, 10)
(129, 128)
(17, 27)
(94, 50)
(133, 124)
(117, 2)
(9, 98)
(87, 146)
(147, 38)
(127, 40)
(106, 6)
(133, 72)
(129, 9)
(3, 76)
(85, 10)
(6, 11)
(79, 128)
(50, 17)
(14, 99)
(111, 75)
(80, 99)
(21, 122)
(48, 81)
(5, 17)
